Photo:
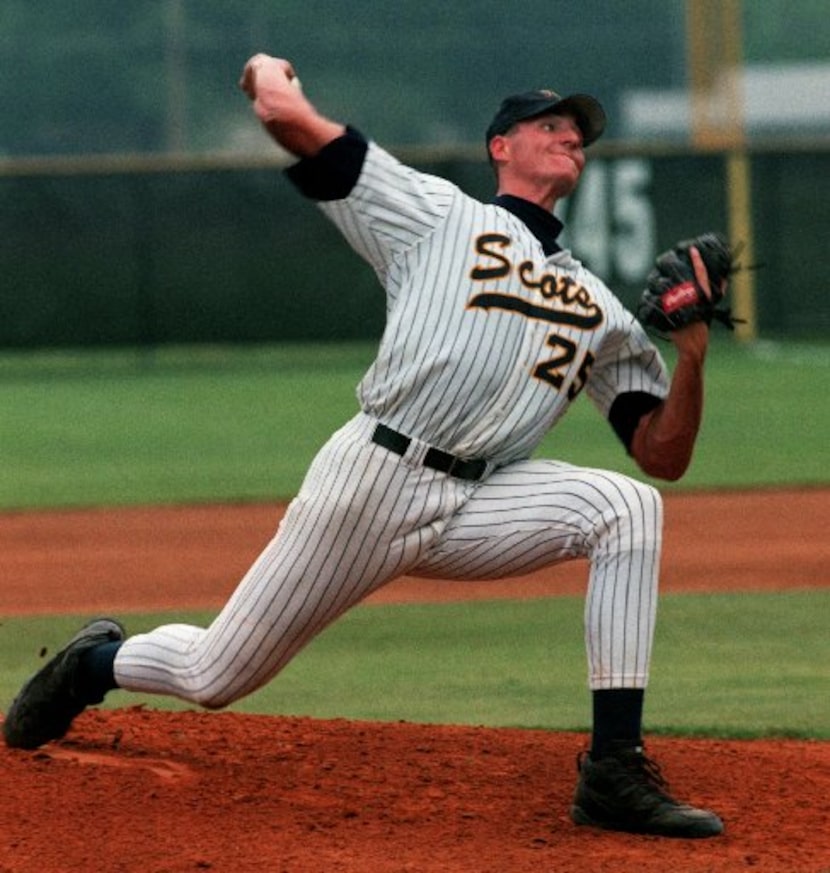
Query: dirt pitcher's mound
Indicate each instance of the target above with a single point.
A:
(138, 790)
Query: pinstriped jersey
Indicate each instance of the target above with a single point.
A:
(488, 340)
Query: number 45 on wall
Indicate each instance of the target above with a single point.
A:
(609, 222)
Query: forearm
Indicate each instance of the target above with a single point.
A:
(664, 440)
(303, 133)
(285, 112)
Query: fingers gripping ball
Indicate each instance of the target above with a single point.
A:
(273, 71)
(677, 294)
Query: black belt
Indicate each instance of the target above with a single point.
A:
(471, 470)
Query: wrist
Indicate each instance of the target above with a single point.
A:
(692, 342)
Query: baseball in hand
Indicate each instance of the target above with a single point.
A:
(295, 81)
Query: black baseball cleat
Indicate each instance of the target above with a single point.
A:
(626, 792)
(49, 702)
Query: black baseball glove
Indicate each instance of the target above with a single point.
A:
(676, 293)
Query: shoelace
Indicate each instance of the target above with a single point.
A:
(649, 770)
(648, 774)
(641, 769)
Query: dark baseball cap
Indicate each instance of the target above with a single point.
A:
(588, 112)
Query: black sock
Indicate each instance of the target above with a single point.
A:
(618, 720)
(98, 675)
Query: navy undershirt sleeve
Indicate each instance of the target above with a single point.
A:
(334, 170)
(626, 412)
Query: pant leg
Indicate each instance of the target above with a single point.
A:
(362, 517)
(537, 513)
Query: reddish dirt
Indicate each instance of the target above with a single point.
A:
(138, 790)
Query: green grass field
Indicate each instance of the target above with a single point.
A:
(208, 424)
(727, 665)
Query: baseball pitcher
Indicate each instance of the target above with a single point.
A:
(493, 331)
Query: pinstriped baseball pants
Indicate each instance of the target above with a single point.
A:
(365, 515)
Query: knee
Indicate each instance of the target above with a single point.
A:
(218, 688)
(634, 510)
(210, 698)
(650, 499)
(642, 512)
(210, 689)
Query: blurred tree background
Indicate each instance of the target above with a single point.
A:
(160, 75)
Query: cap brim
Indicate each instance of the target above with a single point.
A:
(589, 114)
(587, 111)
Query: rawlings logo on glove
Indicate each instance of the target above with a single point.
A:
(683, 288)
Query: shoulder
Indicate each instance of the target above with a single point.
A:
(382, 168)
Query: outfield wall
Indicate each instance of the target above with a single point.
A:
(122, 251)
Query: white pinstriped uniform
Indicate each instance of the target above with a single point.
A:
(486, 338)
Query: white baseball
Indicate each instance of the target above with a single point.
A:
(295, 81)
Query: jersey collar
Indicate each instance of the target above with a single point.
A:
(542, 224)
